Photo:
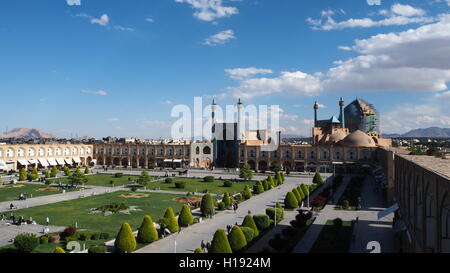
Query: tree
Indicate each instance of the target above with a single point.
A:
(220, 243)
(246, 172)
(171, 220)
(26, 242)
(66, 171)
(78, 179)
(246, 193)
(185, 218)
(236, 238)
(87, 170)
(54, 171)
(22, 175)
(282, 177)
(262, 221)
(207, 205)
(147, 232)
(34, 174)
(78, 171)
(258, 188)
(249, 222)
(290, 201)
(318, 179)
(125, 241)
(278, 178)
(47, 174)
(249, 233)
(144, 178)
(300, 192)
(266, 185)
(278, 206)
(272, 182)
(305, 189)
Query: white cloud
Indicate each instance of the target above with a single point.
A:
(220, 38)
(95, 92)
(149, 19)
(243, 73)
(413, 60)
(123, 28)
(406, 10)
(209, 10)
(73, 2)
(103, 20)
(398, 15)
(168, 102)
(114, 119)
(296, 83)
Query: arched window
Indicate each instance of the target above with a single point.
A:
(197, 150)
(20, 152)
(10, 153)
(311, 155)
(31, 152)
(207, 150)
(299, 154)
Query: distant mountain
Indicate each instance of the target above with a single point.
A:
(426, 132)
(27, 133)
(288, 136)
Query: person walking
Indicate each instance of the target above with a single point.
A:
(203, 246)
(47, 220)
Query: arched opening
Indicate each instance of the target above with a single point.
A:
(108, 161)
(262, 165)
(207, 150)
(142, 162)
(116, 161)
(287, 166)
(124, 162)
(251, 163)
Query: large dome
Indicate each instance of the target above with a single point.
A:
(336, 137)
(358, 139)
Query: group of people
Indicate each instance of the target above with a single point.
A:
(23, 196)
(20, 221)
(205, 247)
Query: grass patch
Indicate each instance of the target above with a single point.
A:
(333, 239)
(103, 180)
(11, 192)
(66, 213)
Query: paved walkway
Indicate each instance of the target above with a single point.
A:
(8, 232)
(190, 238)
(49, 199)
(368, 228)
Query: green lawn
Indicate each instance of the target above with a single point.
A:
(101, 180)
(333, 240)
(66, 213)
(11, 192)
(197, 185)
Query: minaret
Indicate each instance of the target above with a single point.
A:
(316, 107)
(213, 118)
(342, 118)
(240, 107)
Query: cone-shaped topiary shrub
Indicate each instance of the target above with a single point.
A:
(198, 250)
(266, 185)
(249, 233)
(147, 232)
(282, 177)
(227, 200)
(220, 243)
(290, 201)
(185, 218)
(207, 205)
(304, 189)
(297, 194)
(271, 181)
(249, 222)
(317, 179)
(58, 250)
(237, 239)
(278, 205)
(258, 188)
(300, 192)
(125, 241)
(247, 194)
(262, 221)
(172, 222)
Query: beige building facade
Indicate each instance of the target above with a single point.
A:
(17, 156)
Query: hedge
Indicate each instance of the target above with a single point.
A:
(26, 242)
(249, 222)
(180, 185)
(58, 250)
(208, 179)
(207, 205)
(290, 201)
(237, 239)
(270, 212)
(278, 205)
(168, 181)
(249, 233)
(220, 243)
(258, 188)
(317, 179)
(185, 218)
(227, 200)
(262, 221)
(198, 250)
(147, 232)
(97, 249)
(125, 241)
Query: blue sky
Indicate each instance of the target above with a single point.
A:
(117, 67)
